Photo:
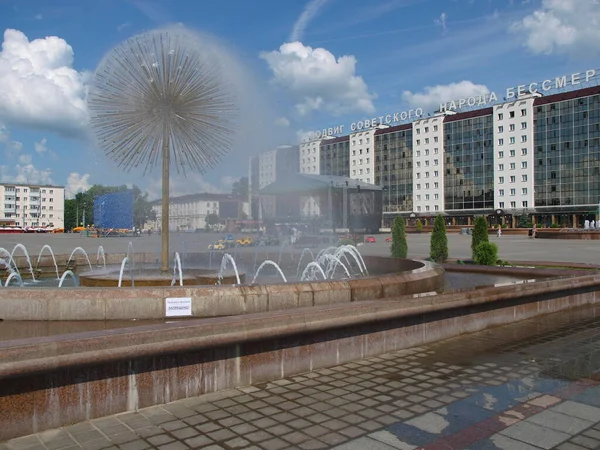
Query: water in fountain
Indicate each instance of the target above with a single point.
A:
(268, 262)
(260, 244)
(16, 276)
(130, 255)
(285, 243)
(227, 257)
(98, 253)
(333, 262)
(70, 274)
(79, 249)
(125, 261)
(176, 266)
(22, 247)
(3, 251)
(53, 259)
(343, 250)
(304, 250)
(309, 271)
(331, 249)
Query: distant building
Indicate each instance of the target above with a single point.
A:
(189, 212)
(32, 205)
(266, 168)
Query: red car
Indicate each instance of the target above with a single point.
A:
(388, 239)
(369, 239)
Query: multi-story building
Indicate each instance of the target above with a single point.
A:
(513, 153)
(265, 169)
(27, 205)
(394, 168)
(310, 162)
(335, 156)
(189, 212)
(428, 170)
(362, 155)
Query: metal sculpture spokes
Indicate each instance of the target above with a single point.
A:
(162, 88)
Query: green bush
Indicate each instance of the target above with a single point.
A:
(438, 247)
(346, 241)
(555, 225)
(419, 225)
(399, 246)
(480, 233)
(486, 254)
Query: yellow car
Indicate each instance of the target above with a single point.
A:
(245, 241)
(217, 246)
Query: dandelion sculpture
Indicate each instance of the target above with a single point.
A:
(162, 95)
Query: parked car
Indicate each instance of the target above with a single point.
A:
(217, 246)
(389, 239)
(370, 239)
(245, 241)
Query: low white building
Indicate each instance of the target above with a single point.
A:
(30, 205)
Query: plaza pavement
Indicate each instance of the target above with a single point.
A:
(511, 248)
(526, 386)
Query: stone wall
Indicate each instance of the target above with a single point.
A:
(49, 382)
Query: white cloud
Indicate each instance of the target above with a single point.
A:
(25, 172)
(303, 135)
(562, 26)
(77, 183)
(282, 122)
(318, 80)
(123, 26)
(11, 148)
(40, 147)
(227, 183)
(310, 11)
(25, 159)
(432, 96)
(39, 87)
(441, 22)
(193, 183)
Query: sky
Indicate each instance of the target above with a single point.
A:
(298, 66)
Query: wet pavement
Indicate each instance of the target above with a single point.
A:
(530, 385)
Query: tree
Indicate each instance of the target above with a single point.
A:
(486, 253)
(212, 219)
(480, 233)
(419, 225)
(240, 188)
(439, 241)
(142, 209)
(399, 246)
(70, 214)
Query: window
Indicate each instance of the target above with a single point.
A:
(435, 174)
(512, 166)
(513, 204)
(500, 166)
(501, 204)
(427, 140)
(435, 151)
(426, 196)
(426, 129)
(513, 192)
(436, 207)
(418, 187)
(436, 196)
(500, 116)
(512, 127)
(500, 129)
(524, 191)
(523, 125)
(512, 153)
(501, 193)
(418, 152)
(436, 185)
(501, 180)
(524, 204)
(523, 152)
(513, 179)
(418, 141)
(435, 139)
(418, 131)
(523, 177)
(426, 152)
(512, 140)
(500, 141)
(524, 138)
(500, 154)
(523, 112)
(418, 198)
(435, 162)
(511, 114)
(435, 128)
(426, 185)
(523, 164)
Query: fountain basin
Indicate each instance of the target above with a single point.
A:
(154, 277)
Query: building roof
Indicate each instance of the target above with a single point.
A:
(405, 126)
(196, 197)
(335, 140)
(32, 185)
(469, 114)
(567, 96)
(303, 182)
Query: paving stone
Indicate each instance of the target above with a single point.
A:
(535, 434)
(146, 432)
(123, 438)
(87, 436)
(312, 445)
(135, 445)
(244, 429)
(173, 446)
(198, 441)
(185, 433)
(258, 436)
(561, 422)
(586, 442)
(570, 446)
(97, 444)
(580, 410)
(160, 439)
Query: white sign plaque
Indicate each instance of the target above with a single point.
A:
(181, 306)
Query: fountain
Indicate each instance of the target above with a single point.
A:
(304, 250)
(101, 252)
(5, 252)
(16, 276)
(126, 261)
(268, 262)
(177, 265)
(64, 275)
(316, 267)
(227, 257)
(80, 250)
(37, 266)
(22, 247)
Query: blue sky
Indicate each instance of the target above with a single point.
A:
(302, 65)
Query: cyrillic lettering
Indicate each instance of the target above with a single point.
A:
(341, 129)
(561, 82)
(546, 85)
(419, 112)
(443, 107)
(510, 93)
(329, 131)
(374, 122)
(533, 88)
(461, 103)
(388, 119)
(403, 115)
(353, 126)
(493, 97)
(482, 100)
(360, 125)
(453, 105)
(590, 74)
(337, 130)
(575, 78)
(521, 90)
(367, 123)
(471, 101)
(396, 117)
